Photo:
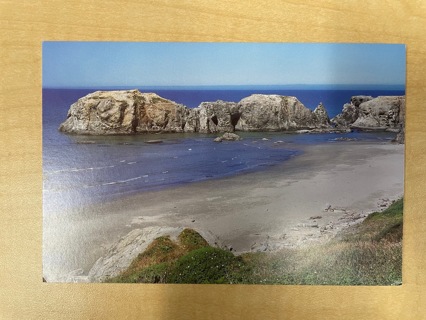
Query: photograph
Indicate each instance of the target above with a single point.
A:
(223, 163)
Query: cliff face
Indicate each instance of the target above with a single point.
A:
(130, 112)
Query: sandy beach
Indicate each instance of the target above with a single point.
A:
(305, 200)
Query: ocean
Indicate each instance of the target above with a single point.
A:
(79, 170)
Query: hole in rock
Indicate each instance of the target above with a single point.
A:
(214, 119)
(235, 117)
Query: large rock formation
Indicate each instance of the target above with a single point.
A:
(103, 113)
(381, 113)
(124, 112)
(275, 113)
(384, 112)
(130, 112)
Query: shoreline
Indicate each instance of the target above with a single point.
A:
(260, 211)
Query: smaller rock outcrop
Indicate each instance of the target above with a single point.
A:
(381, 112)
(350, 112)
(323, 120)
(357, 100)
(275, 113)
(400, 137)
(192, 120)
(368, 113)
(219, 116)
(348, 116)
(228, 136)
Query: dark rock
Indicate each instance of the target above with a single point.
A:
(316, 217)
(357, 100)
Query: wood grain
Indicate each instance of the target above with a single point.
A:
(23, 27)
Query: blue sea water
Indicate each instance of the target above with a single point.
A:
(78, 170)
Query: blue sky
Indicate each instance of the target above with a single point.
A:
(101, 64)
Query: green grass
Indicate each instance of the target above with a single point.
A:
(369, 253)
(191, 240)
(337, 263)
(158, 99)
(385, 225)
(154, 264)
(205, 265)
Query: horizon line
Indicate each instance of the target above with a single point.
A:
(217, 86)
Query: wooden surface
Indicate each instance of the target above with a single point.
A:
(24, 24)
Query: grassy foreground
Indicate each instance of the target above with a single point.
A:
(369, 253)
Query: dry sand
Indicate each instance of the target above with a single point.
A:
(305, 200)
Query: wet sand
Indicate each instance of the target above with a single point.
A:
(302, 201)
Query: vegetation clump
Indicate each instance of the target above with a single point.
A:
(205, 265)
(156, 262)
(159, 100)
(190, 240)
(369, 253)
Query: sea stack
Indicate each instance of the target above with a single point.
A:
(276, 113)
(123, 112)
(368, 113)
